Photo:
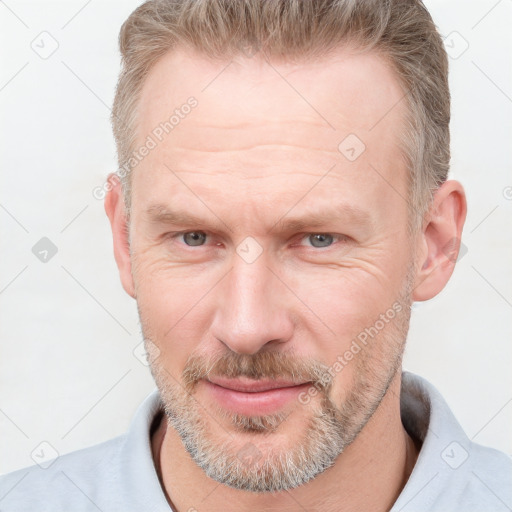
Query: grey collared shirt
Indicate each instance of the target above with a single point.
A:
(451, 473)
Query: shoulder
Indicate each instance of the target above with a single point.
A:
(452, 472)
(115, 475)
(489, 478)
(74, 481)
(472, 477)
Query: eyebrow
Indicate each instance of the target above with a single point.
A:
(161, 214)
(352, 214)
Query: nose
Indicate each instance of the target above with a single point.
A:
(252, 310)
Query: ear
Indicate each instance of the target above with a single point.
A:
(115, 209)
(439, 240)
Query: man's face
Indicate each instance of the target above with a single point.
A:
(262, 249)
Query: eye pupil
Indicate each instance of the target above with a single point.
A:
(320, 240)
(194, 238)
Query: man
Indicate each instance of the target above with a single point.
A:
(283, 199)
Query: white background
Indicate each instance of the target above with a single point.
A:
(68, 374)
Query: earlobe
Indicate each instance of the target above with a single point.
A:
(115, 210)
(440, 240)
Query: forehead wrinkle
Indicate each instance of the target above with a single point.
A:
(255, 147)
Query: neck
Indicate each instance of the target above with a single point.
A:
(369, 474)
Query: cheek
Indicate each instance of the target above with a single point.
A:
(347, 299)
(172, 312)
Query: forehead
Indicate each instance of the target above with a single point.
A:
(346, 87)
(261, 119)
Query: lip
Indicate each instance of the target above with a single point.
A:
(253, 397)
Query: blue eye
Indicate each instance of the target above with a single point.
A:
(320, 239)
(194, 238)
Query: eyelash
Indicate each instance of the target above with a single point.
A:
(337, 237)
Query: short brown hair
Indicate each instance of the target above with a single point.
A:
(400, 30)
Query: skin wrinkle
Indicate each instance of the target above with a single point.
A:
(180, 161)
(159, 215)
(368, 260)
(308, 305)
(268, 125)
(361, 269)
(327, 157)
(263, 147)
(200, 189)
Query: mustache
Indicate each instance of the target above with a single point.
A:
(261, 365)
